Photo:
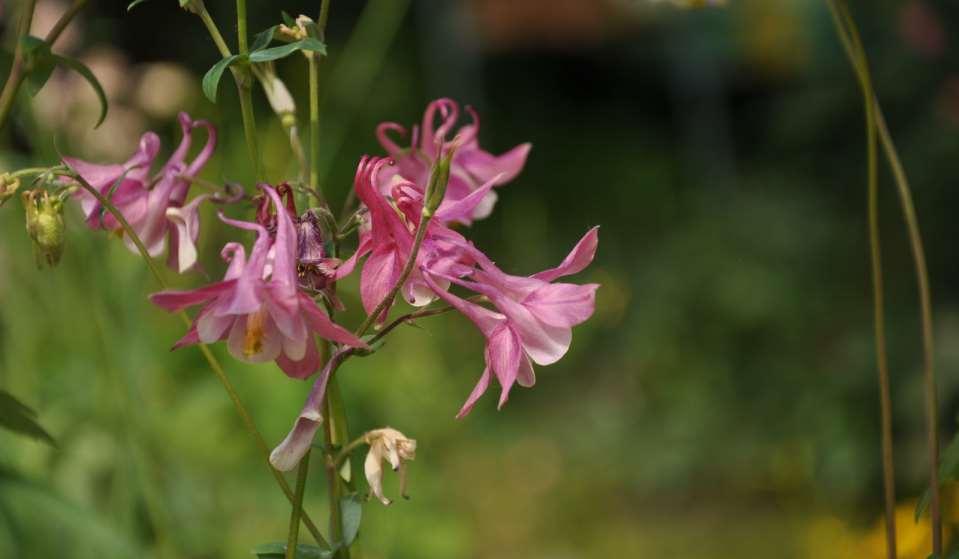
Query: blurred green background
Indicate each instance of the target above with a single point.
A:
(720, 403)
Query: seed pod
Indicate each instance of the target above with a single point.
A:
(44, 225)
(8, 187)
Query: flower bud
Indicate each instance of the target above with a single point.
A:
(8, 187)
(44, 225)
(436, 187)
(392, 446)
(304, 28)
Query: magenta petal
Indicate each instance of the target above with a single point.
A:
(283, 279)
(380, 273)
(465, 208)
(288, 453)
(478, 391)
(190, 338)
(207, 150)
(504, 352)
(577, 260)
(174, 301)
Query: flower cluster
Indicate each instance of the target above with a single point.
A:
(414, 203)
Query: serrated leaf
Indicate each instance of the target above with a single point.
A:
(277, 550)
(134, 4)
(287, 19)
(351, 513)
(283, 51)
(262, 39)
(18, 417)
(81, 68)
(211, 81)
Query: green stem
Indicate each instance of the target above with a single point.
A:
(213, 30)
(210, 358)
(17, 73)
(241, 26)
(324, 17)
(404, 275)
(314, 124)
(301, 474)
(885, 400)
(333, 477)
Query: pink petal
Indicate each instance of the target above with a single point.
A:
(486, 320)
(174, 301)
(478, 391)
(186, 221)
(485, 166)
(320, 323)
(577, 260)
(270, 341)
(303, 366)
(504, 352)
(465, 208)
(380, 273)
(288, 453)
(563, 304)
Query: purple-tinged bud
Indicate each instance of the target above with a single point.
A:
(8, 187)
(44, 225)
(315, 271)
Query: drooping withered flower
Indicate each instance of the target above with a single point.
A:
(154, 206)
(259, 307)
(44, 221)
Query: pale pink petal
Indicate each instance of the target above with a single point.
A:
(484, 166)
(486, 320)
(301, 364)
(577, 260)
(526, 377)
(320, 323)
(288, 453)
(504, 352)
(478, 391)
(235, 254)
(269, 342)
(563, 304)
(464, 209)
(174, 301)
(380, 273)
(212, 328)
(186, 220)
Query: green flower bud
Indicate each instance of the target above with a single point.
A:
(436, 187)
(8, 187)
(44, 225)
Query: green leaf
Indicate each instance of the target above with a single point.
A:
(262, 39)
(211, 81)
(18, 417)
(948, 472)
(283, 51)
(287, 19)
(81, 68)
(351, 512)
(277, 550)
(38, 62)
(134, 4)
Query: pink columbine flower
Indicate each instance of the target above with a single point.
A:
(388, 236)
(472, 166)
(258, 306)
(533, 319)
(157, 212)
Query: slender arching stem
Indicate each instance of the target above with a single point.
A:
(211, 359)
(875, 251)
(294, 532)
(854, 50)
(17, 73)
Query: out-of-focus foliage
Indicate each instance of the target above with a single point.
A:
(721, 402)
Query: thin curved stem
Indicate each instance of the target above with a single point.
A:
(404, 275)
(875, 251)
(17, 75)
(301, 474)
(213, 30)
(211, 359)
(311, 58)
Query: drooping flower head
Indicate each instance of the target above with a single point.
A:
(533, 317)
(472, 166)
(391, 446)
(258, 307)
(155, 207)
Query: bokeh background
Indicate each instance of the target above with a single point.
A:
(721, 402)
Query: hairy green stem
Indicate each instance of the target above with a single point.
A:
(213, 30)
(301, 474)
(208, 355)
